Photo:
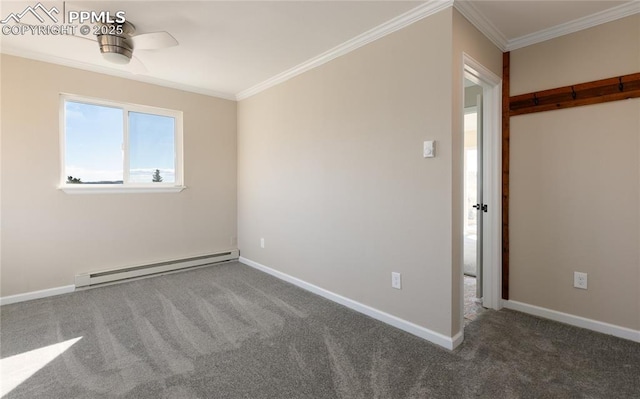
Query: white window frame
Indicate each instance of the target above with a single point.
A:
(125, 187)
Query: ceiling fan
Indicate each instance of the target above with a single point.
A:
(117, 41)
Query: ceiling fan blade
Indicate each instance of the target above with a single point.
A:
(137, 67)
(153, 41)
(134, 66)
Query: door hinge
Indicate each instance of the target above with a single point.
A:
(484, 207)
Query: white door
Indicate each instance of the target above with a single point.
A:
(483, 173)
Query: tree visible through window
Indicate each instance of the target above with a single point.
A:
(107, 144)
(156, 177)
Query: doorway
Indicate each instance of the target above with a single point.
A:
(474, 207)
(481, 277)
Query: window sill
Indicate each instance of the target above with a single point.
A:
(120, 189)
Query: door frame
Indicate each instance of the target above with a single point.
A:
(492, 180)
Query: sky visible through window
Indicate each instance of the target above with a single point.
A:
(151, 147)
(94, 144)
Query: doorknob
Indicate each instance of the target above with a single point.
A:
(481, 206)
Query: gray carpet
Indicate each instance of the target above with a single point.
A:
(472, 305)
(229, 331)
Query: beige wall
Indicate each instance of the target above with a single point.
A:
(331, 172)
(49, 236)
(575, 180)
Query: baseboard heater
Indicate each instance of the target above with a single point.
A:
(126, 273)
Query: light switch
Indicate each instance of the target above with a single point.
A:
(429, 149)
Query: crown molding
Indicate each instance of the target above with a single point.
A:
(465, 7)
(482, 23)
(429, 8)
(112, 72)
(621, 11)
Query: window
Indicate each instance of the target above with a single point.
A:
(110, 147)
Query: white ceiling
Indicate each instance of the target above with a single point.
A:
(519, 18)
(233, 49)
(514, 24)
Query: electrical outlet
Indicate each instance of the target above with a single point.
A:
(262, 243)
(396, 280)
(580, 280)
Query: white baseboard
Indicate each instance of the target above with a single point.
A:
(27, 296)
(457, 339)
(422, 332)
(578, 321)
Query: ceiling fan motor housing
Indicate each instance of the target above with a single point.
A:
(116, 47)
